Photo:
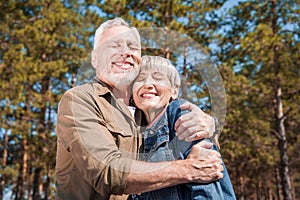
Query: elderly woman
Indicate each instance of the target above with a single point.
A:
(155, 91)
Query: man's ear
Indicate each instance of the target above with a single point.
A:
(94, 59)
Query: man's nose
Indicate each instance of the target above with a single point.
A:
(125, 50)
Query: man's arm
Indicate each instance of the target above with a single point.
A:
(202, 165)
(91, 145)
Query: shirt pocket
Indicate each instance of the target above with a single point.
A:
(117, 123)
(114, 129)
(124, 138)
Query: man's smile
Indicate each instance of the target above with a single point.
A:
(123, 65)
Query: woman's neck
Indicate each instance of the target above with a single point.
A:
(153, 114)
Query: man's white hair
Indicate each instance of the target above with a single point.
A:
(107, 25)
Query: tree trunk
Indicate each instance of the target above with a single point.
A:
(280, 117)
(270, 194)
(5, 152)
(22, 171)
(4, 162)
(240, 184)
(278, 185)
(29, 182)
(46, 185)
(184, 74)
(36, 183)
(282, 145)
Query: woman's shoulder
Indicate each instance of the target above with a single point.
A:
(174, 107)
(177, 102)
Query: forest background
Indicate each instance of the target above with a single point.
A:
(254, 44)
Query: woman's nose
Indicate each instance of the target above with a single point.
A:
(149, 82)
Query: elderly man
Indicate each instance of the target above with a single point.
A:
(98, 130)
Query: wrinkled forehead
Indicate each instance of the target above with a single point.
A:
(119, 34)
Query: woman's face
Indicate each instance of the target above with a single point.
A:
(152, 90)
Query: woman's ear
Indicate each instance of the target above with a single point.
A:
(174, 93)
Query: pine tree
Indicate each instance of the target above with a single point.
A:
(258, 44)
(42, 44)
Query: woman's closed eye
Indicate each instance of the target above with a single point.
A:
(140, 78)
(158, 76)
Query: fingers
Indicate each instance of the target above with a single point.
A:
(216, 170)
(192, 133)
(194, 125)
(186, 106)
(207, 162)
(214, 175)
(196, 136)
(190, 106)
(203, 151)
(192, 128)
(195, 111)
(204, 144)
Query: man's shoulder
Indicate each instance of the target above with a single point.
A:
(85, 88)
(88, 88)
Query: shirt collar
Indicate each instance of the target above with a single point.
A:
(101, 88)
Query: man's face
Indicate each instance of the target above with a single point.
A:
(118, 56)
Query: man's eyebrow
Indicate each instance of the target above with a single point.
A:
(133, 43)
(120, 40)
(116, 40)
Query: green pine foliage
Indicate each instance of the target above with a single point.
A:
(42, 45)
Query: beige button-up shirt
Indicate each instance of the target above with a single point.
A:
(97, 139)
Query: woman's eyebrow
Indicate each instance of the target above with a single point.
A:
(159, 73)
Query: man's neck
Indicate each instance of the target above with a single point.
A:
(122, 94)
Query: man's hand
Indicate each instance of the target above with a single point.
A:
(202, 165)
(207, 163)
(194, 125)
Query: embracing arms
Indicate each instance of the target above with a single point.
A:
(103, 159)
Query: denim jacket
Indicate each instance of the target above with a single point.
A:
(161, 144)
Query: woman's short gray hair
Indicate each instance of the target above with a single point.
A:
(108, 24)
(163, 65)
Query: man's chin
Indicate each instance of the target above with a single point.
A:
(130, 76)
(124, 80)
